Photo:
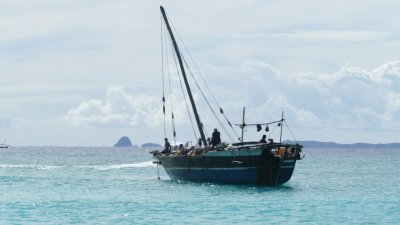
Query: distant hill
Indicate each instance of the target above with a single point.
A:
(150, 145)
(123, 142)
(318, 144)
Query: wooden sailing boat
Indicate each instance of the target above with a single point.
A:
(237, 163)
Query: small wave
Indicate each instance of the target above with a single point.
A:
(98, 167)
(121, 166)
(38, 167)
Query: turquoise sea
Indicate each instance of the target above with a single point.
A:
(83, 185)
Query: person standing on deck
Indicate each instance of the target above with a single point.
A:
(200, 142)
(215, 138)
(167, 147)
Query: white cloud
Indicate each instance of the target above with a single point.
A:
(394, 100)
(352, 98)
(322, 35)
(119, 109)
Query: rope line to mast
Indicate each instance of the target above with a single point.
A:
(208, 103)
(170, 91)
(162, 73)
(208, 88)
(273, 130)
(184, 96)
(290, 131)
(183, 91)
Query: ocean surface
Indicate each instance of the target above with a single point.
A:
(84, 185)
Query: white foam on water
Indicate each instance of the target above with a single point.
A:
(39, 167)
(120, 166)
(98, 167)
(123, 166)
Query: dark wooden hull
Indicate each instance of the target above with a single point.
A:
(257, 166)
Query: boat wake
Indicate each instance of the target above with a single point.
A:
(123, 166)
(38, 167)
(96, 167)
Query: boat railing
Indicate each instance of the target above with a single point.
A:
(245, 143)
(276, 149)
(282, 150)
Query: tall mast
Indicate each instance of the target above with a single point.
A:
(178, 54)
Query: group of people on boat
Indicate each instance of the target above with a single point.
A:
(213, 142)
(182, 150)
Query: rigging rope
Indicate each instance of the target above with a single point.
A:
(207, 86)
(273, 130)
(162, 74)
(183, 92)
(290, 131)
(184, 95)
(170, 91)
(208, 103)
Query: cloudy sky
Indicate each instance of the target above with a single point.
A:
(86, 72)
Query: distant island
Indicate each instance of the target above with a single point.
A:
(123, 142)
(126, 142)
(318, 144)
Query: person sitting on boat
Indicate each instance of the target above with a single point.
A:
(263, 139)
(167, 147)
(215, 138)
(180, 150)
(270, 141)
(186, 149)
